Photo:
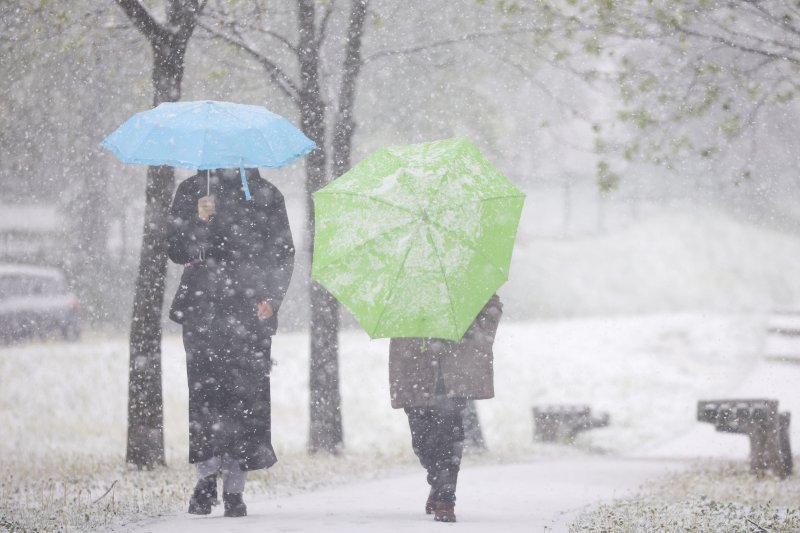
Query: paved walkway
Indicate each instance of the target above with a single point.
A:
(540, 496)
(531, 497)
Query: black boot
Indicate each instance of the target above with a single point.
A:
(234, 505)
(444, 512)
(204, 495)
(431, 501)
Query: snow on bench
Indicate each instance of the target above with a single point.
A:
(760, 420)
(563, 422)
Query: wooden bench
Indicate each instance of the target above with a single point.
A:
(759, 419)
(563, 422)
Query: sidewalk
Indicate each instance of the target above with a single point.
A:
(541, 496)
(532, 497)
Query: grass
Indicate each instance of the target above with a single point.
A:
(711, 496)
(78, 494)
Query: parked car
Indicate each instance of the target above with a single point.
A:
(36, 302)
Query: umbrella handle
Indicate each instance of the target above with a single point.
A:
(208, 193)
(244, 181)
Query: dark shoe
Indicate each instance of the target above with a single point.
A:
(444, 512)
(204, 495)
(234, 506)
(430, 502)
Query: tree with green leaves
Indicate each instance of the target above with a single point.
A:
(709, 82)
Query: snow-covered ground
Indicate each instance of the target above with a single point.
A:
(551, 493)
(646, 372)
(63, 405)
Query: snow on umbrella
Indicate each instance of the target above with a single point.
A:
(207, 134)
(415, 239)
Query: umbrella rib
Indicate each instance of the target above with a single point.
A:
(393, 286)
(227, 111)
(469, 245)
(259, 131)
(375, 199)
(360, 246)
(172, 162)
(282, 163)
(118, 152)
(489, 199)
(444, 277)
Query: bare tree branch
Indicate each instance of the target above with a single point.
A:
(738, 46)
(770, 17)
(751, 37)
(143, 20)
(447, 42)
(276, 74)
(235, 24)
(323, 25)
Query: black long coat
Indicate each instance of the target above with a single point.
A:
(242, 256)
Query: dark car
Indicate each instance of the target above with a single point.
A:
(36, 302)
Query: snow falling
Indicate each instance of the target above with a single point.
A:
(166, 334)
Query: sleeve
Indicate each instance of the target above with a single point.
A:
(486, 323)
(186, 233)
(279, 248)
(489, 318)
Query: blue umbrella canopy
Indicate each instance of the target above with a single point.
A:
(208, 134)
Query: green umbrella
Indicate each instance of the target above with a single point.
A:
(415, 239)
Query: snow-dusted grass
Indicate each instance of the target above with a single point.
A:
(712, 496)
(63, 410)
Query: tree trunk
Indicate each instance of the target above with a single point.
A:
(325, 399)
(145, 404)
(145, 446)
(345, 125)
(325, 418)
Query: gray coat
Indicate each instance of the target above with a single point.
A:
(467, 366)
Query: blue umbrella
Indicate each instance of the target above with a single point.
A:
(208, 134)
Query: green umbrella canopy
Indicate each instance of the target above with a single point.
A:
(415, 239)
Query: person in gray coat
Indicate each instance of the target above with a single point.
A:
(432, 379)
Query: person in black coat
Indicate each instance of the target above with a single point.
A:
(238, 257)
